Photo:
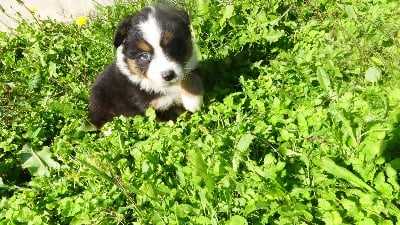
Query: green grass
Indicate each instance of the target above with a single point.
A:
(300, 123)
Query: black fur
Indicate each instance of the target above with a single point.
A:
(113, 94)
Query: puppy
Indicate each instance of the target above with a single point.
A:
(154, 64)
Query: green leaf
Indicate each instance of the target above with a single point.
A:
(395, 163)
(63, 107)
(151, 114)
(329, 166)
(382, 186)
(347, 130)
(332, 217)
(39, 163)
(324, 81)
(349, 205)
(393, 209)
(237, 220)
(52, 69)
(377, 61)
(183, 210)
(228, 13)
(367, 221)
(202, 6)
(31, 134)
(373, 74)
(244, 142)
(349, 9)
(272, 35)
(201, 168)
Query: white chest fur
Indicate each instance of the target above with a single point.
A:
(171, 97)
(176, 95)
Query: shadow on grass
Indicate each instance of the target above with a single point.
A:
(391, 147)
(12, 175)
(221, 75)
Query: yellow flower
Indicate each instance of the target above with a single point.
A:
(80, 21)
(32, 10)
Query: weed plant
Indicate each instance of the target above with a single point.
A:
(300, 123)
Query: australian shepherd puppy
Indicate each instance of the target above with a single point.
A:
(154, 64)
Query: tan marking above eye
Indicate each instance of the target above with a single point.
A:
(132, 66)
(143, 46)
(167, 37)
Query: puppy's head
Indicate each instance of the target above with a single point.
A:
(155, 48)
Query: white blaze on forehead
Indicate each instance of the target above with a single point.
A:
(160, 62)
(151, 30)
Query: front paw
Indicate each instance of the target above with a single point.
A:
(192, 103)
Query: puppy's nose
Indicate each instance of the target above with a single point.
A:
(168, 75)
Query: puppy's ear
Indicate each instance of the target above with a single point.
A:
(184, 16)
(192, 92)
(122, 31)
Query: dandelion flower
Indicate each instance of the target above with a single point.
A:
(80, 21)
(32, 10)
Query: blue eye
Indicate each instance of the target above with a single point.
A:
(145, 56)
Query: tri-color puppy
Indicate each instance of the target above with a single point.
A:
(153, 68)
